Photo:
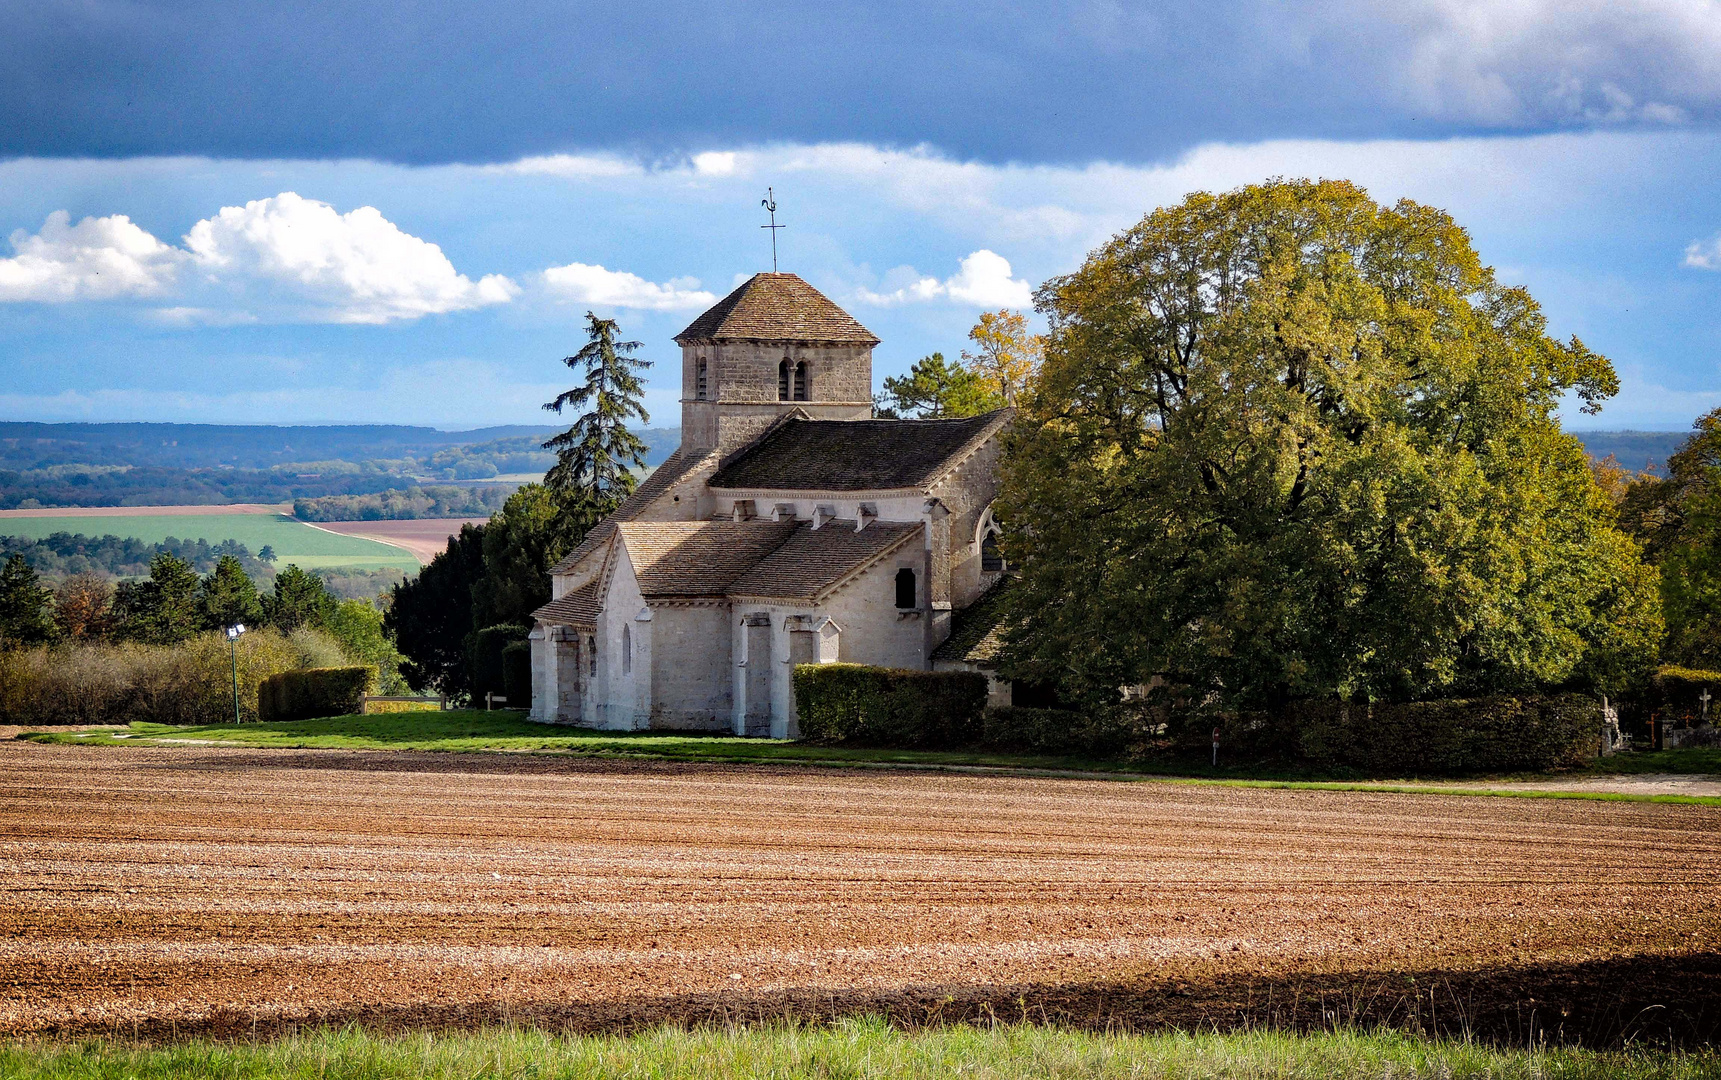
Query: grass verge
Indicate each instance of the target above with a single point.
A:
(475, 731)
(858, 1049)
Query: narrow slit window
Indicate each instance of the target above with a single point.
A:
(783, 380)
(627, 650)
(700, 383)
(801, 381)
(905, 588)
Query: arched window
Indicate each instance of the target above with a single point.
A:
(905, 588)
(783, 380)
(991, 559)
(699, 383)
(801, 381)
(626, 650)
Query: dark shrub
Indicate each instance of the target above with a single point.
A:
(1489, 734)
(311, 692)
(517, 674)
(889, 706)
(484, 659)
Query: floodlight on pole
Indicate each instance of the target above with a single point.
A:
(233, 633)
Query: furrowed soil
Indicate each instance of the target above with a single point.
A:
(155, 892)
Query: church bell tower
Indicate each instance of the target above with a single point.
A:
(773, 346)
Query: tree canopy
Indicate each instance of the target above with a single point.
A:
(1678, 518)
(1289, 442)
(1006, 356)
(935, 389)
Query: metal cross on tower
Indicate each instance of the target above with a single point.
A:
(769, 202)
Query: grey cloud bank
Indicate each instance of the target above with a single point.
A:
(1067, 81)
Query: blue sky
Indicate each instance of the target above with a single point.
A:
(400, 213)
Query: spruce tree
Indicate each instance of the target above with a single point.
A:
(26, 614)
(595, 458)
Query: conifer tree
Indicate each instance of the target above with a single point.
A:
(595, 457)
(228, 597)
(935, 389)
(163, 608)
(299, 599)
(25, 613)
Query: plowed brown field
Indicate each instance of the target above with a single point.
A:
(231, 890)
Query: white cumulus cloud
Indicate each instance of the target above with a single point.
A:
(983, 279)
(325, 266)
(96, 259)
(1704, 254)
(618, 288)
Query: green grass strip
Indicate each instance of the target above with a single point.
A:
(856, 1049)
(473, 731)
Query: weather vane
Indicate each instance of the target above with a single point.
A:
(769, 202)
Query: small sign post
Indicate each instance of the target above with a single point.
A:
(1215, 748)
(1704, 698)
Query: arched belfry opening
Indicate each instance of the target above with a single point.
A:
(783, 380)
(801, 381)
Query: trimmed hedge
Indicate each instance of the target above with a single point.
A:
(1054, 731)
(312, 692)
(1488, 734)
(889, 706)
(517, 674)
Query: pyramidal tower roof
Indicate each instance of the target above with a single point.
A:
(776, 307)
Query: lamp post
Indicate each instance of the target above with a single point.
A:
(233, 633)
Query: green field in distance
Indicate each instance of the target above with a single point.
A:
(293, 540)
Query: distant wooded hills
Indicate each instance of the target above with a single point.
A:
(171, 464)
(1639, 451)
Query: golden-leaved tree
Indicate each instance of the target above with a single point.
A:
(1288, 442)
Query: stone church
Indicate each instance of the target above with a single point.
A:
(790, 527)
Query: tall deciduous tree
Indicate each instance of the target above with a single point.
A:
(934, 389)
(83, 607)
(1289, 442)
(1678, 518)
(431, 615)
(595, 458)
(26, 607)
(1005, 354)
(228, 597)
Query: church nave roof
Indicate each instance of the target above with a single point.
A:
(855, 455)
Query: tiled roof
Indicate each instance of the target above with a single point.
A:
(812, 560)
(776, 307)
(577, 607)
(677, 465)
(977, 631)
(855, 455)
(697, 558)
